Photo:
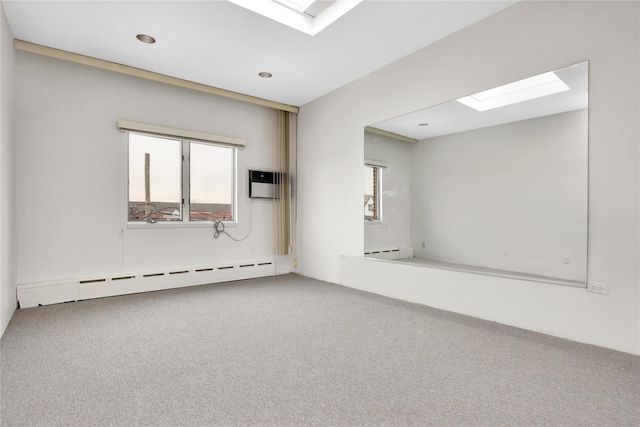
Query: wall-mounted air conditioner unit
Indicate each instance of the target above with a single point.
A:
(264, 185)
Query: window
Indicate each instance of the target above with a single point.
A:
(372, 206)
(211, 190)
(178, 180)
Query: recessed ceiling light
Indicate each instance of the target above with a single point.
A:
(423, 124)
(146, 39)
(512, 93)
(265, 75)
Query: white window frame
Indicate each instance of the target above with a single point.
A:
(182, 136)
(186, 183)
(378, 167)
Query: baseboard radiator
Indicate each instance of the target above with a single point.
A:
(389, 253)
(59, 291)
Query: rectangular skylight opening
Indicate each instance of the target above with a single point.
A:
(512, 93)
(318, 7)
(297, 5)
(307, 16)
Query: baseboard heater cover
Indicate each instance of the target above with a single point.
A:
(389, 253)
(55, 292)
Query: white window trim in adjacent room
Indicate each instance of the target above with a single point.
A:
(185, 137)
(378, 165)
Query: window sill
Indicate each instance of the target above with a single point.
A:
(169, 224)
(373, 222)
(484, 271)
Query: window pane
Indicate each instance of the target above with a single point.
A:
(211, 175)
(165, 179)
(371, 196)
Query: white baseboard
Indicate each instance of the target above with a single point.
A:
(284, 264)
(45, 293)
(54, 292)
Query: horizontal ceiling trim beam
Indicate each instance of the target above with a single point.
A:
(149, 75)
(390, 134)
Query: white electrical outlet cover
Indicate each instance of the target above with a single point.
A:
(598, 288)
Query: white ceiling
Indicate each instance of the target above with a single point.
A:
(452, 117)
(220, 44)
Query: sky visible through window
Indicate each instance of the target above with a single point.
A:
(210, 173)
(210, 170)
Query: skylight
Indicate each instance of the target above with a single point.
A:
(308, 16)
(297, 5)
(512, 93)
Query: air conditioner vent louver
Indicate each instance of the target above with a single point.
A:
(389, 253)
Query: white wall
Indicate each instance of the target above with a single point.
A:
(510, 197)
(395, 228)
(7, 177)
(525, 39)
(72, 173)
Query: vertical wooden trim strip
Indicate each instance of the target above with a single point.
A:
(282, 215)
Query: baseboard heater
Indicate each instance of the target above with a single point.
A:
(59, 291)
(389, 253)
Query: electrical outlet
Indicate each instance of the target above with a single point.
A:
(566, 260)
(505, 252)
(598, 288)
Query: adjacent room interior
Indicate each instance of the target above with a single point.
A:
(181, 213)
(494, 183)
